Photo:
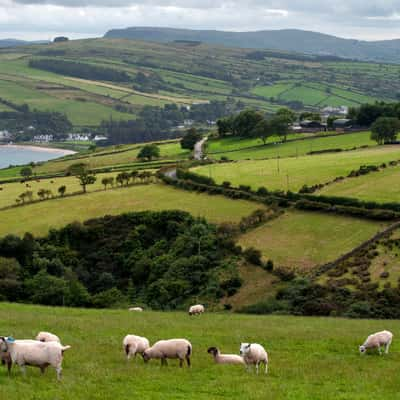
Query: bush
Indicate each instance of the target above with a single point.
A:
(269, 265)
(253, 256)
(109, 298)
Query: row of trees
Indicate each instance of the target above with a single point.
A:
(251, 123)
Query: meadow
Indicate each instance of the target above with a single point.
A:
(38, 218)
(292, 173)
(310, 358)
(302, 240)
(382, 187)
(241, 149)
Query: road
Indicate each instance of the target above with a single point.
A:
(198, 149)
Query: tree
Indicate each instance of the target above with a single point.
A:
(224, 126)
(289, 115)
(149, 151)
(263, 130)
(190, 139)
(245, 122)
(385, 129)
(86, 178)
(61, 190)
(280, 126)
(107, 181)
(26, 172)
(76, 169)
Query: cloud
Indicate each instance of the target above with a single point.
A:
(79, 18)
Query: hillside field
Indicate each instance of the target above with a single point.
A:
(292, 173)
(241, 149)
(38, 218)
(301, 240)
(310, 358)
(382, 187)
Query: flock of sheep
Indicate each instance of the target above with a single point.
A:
(47, 349)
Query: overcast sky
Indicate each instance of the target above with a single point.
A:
(43, 19)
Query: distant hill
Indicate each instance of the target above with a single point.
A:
(287, 40)
(16, 42)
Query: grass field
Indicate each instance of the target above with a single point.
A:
(38, 218)
(302, 240)
(383, 187)
(310, 358)
(111, 157)
(237, 149)
(293, 173)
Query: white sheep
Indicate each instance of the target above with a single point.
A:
(34, 353)
(139, 309)
(133, 344)
(254, 353)
(225, 358)
(47, 337)
(377, 340)
(196, 309)
(172, 348)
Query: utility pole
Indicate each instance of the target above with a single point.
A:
(287, 181)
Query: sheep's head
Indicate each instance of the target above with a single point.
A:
(146, 356)
(244, 348)
(4, 341)
(362, 349)
(213, 351)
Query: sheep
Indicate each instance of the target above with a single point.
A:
(6, 360)
(196, 309)
(377, 340)
(34, 353)
(172, 348)
(139, 309)
(225, 358)
(133, 344)
(254, 353)
(47, 337)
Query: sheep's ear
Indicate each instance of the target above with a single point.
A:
(248, 346)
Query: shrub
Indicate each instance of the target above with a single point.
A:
(253, 256)
(269, 265)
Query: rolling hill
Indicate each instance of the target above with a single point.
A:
(292, 40)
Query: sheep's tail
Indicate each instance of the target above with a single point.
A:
(127, 346)
(64, 348)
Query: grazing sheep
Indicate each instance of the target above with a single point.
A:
(225, 358)
(139, 309)
(47, 337)
(172, 348)
(134, 344)
(6, 360)
(377, 340)
(34, 353)
(254, 353)
(196, 309)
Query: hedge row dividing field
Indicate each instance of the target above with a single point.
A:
(293, 173)
(310, 358)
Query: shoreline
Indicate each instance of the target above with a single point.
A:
(54, 150)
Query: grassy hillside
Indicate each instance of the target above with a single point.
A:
(382, 187)
(304, 357)
(302, 240)
(239, 149)
(184, 74)
(292, 173)
(40, 217)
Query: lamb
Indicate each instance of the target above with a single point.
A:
(134, 344)
(6, 360)
(139, 309)
(196, 309)
(254, 353)
(47, 337)
(172, 348)
(225, 358)
(377, 340)
(34, 353)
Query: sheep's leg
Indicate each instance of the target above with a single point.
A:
(266, 368)
(387, 346)
(380, 350)
(23, 369)
(59, 373)
(42, 369)
(9, 365)
(181, 362)
(257, 365)
(188, 361)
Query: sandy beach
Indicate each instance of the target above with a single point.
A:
(62, 152)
